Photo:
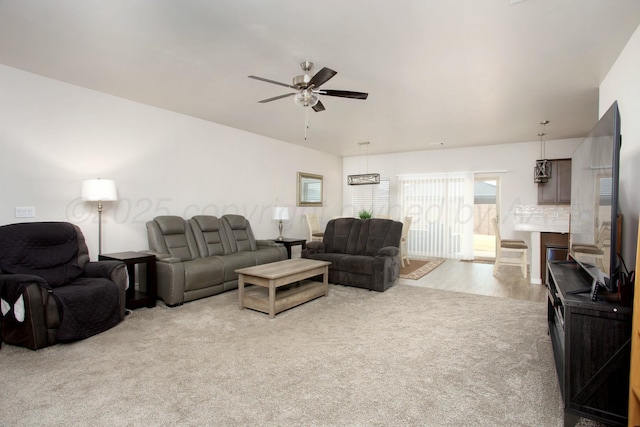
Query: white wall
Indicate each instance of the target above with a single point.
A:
(622, 83)
(54, 135)
(516, 184)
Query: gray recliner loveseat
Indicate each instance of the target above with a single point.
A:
(363, 253)
(197, 258)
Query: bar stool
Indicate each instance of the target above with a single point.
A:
(509, 246)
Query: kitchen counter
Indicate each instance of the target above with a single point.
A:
(534, 250)
(537, 219)
(555, 227)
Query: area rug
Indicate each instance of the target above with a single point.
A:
(418, 268)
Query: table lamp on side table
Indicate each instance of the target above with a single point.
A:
(280, 213)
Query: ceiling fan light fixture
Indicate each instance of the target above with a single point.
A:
(308, 88)
(305, 98)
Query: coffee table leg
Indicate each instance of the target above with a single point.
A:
(325, 280)
(241, 290)
(272, 299)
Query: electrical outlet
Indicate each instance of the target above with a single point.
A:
(25, 212)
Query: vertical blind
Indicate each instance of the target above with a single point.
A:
(373, 198)
(441, 207)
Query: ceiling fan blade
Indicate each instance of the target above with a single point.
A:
(276, 97)
(344, 94)
(270, 81)
(321, 77)
(318, 107)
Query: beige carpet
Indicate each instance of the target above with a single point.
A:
(409, 356)
(418, 268)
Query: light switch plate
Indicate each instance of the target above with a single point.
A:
(25, 212)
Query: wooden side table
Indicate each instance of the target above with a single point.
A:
(291, 242)
(136, 297)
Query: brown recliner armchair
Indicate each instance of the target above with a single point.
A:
(49, 290)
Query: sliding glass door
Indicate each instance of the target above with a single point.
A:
(441, 207)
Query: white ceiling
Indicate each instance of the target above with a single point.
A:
(464, 72)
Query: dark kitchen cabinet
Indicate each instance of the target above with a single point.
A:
(557, 191)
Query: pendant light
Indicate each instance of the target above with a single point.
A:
(542, 170)
(364, 178)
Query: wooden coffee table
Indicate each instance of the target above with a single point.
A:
(270, 276)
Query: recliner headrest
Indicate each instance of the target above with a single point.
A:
(170, 224)
(237, 222)
(207, 222)
(45, 249)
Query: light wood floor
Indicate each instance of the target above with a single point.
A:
(478, 278)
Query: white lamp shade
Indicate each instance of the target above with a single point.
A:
(94, 190)
(281, 213)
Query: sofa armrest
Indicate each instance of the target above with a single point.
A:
(162, 257)
(101, 268)
(170, 260)
(30, 313)
(171, 280)
(388, 251)
(316, 246)
(14, 286)
(116, 271)
(311, 248)
(22, 280)
(265, 243)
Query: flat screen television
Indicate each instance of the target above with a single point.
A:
(595, 169)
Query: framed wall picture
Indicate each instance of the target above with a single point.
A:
(309, 189)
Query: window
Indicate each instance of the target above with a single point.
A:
(373, 198)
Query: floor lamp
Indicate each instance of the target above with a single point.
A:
(99, 190)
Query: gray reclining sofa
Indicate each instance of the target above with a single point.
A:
(363, 253)
(197, 258)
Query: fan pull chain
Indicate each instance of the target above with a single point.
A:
(306, 122)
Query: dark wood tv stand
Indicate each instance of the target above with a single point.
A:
(591, 346)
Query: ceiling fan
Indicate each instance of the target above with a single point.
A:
(308, 88)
